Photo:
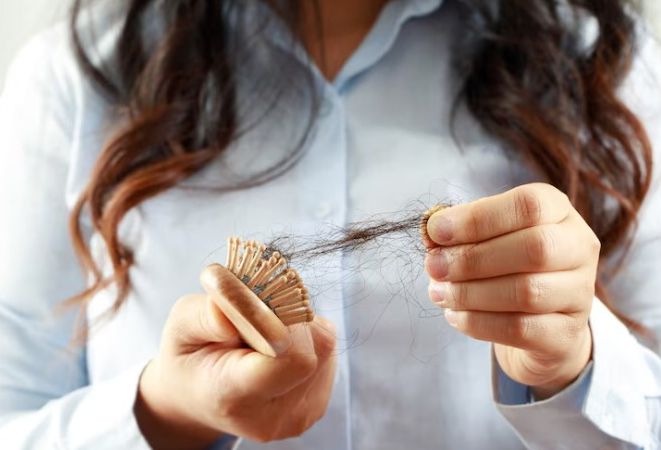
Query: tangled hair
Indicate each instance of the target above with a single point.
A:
(529, 78)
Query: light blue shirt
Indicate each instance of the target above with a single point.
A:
(382, 143)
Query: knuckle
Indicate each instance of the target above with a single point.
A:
(320, 410)
(574, 327)
(229, 408)
(302, 425)
(177, 324)
(468, 261)
(540, 247)
(459, 296)
(228, 405)
(529, 293)
(474, 224)
(207, 323)
(318, 415)
(481, 221)
(595, 244)
(558, 194)
(261, 437)
(303, 364)
(274, 429)
(265, 435)
(181, 305)
(528, 205)
(298, 425)
(587, 288)
(473, 325)
(520, 328)
(325, 346)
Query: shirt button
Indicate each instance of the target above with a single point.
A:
(323, 210)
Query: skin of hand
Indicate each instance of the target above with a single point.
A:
(518, 269)
(205, 383)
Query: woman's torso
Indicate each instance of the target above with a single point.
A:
(382, 144)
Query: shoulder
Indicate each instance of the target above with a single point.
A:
(47, 90)
(46, 63)
(52, 118)
(44, 85)
(40, 88)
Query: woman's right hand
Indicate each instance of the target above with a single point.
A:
(204, 383)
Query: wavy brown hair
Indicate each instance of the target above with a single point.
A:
(531, 78)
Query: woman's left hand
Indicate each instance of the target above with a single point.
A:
(518, 269)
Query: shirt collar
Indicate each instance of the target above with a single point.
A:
(376, 44)
(383, 35)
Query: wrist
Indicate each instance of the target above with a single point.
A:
(568, 371)
(162, 424)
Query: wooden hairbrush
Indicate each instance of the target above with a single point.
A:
(259, 293)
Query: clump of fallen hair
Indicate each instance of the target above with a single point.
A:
(410, 225)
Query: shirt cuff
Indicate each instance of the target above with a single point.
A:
(104, 416)
(118, 427)
(605, 406)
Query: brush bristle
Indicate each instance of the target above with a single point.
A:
(276, 284)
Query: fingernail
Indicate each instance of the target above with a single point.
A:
(451, 317)
(437, 264)
(440, 228)
(438, 292)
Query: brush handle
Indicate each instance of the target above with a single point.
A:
(259, 327)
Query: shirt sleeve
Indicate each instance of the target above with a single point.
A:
(45, 398)
(616, 402)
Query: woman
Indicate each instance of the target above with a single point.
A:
(168, 126)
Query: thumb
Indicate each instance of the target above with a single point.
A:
(196, 320)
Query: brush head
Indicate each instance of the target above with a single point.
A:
(258, 326)
(268, 275)
(259, 294)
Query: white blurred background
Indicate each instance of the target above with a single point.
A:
(19, 19)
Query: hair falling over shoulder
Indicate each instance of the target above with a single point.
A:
(529, 78)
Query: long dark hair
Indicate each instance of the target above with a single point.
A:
(530, 79)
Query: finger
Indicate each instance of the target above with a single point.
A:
(324, 338)
(257, 377)
(312, 397)
(551, 334)
(566, 292)
(522, 207)
(544, 248)
(265, 377)
(307, 402)
(196, 320)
